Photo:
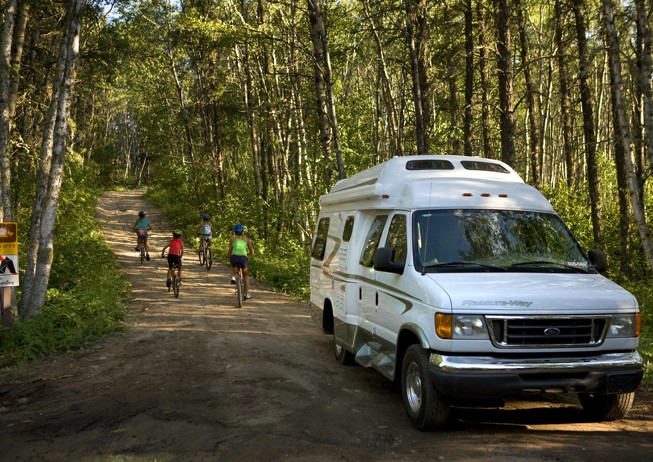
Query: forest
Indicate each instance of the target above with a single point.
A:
(249, 110)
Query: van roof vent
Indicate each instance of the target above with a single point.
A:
(429, 164)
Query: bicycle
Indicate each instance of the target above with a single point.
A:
(174, 282)
(142, 233)
(240, 286)
(204, 254)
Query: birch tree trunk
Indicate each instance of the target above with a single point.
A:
(324, 88)
(624, 128)
(565, 104)
(6, 213)
(588, 126)
(51, 170)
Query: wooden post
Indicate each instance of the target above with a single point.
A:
(5, 305)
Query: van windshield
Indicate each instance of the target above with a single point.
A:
(494, 240)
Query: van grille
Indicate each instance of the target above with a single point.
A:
(536, 331)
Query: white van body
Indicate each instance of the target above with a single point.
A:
(454, 277)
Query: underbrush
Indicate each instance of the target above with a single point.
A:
(87, 295)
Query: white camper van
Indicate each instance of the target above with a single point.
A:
(452, 276)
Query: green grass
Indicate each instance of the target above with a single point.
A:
(87, 295)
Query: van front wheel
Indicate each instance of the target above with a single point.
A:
(426, 408)
(606, 407)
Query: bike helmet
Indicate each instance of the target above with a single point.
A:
(238, 229)
(206, 216)
(176, 233)
(141, 214)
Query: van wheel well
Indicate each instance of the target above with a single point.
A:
(327, 318)
(406, 339)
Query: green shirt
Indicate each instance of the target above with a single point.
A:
(239, 247)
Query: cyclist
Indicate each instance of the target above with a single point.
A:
(205, 229)
(142, 227)
(240, 248)
(175, 253)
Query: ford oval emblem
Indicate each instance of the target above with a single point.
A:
(551, 331)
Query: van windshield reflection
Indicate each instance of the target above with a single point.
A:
(494, 240)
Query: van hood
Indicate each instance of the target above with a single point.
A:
(534, 293)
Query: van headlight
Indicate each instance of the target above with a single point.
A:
(460, 327)
(626, 325)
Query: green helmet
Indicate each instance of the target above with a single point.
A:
(176, 233)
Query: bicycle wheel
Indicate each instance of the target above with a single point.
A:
(208, 260)
(142, 255)
(175, 284)
(239, 289)
(200, 254)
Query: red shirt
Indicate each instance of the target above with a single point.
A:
(175, 246)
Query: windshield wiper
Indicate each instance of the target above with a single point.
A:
(463, 264)
(549, 263)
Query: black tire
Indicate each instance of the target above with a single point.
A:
(343, 356)
(208, 260)
(175, 285)
(606, 407)
(200, 256)
(426, 408)
(239, 290)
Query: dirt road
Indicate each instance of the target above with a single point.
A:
(195, 379)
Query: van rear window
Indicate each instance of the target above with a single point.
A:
(429, 164)
(484, 166)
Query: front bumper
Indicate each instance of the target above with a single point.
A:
(489, 377)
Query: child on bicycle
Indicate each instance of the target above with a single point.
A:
(175, 252)
(142, 228)
(240, 248)
(205, 229)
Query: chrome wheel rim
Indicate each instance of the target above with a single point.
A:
(413, 388)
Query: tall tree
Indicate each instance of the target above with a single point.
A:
(588, 125)
(324, 87)
(506, 96)
(51, 170)
(417, 52)
(644, 31)
(6, 213)
(563, 83)
(469, 79)
(624, 131)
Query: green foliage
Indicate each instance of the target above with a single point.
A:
(87, 295)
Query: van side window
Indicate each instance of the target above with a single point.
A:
(398, 238)
(349, 226)
(320, 239)
(372, 240)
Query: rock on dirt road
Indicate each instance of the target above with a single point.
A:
(195, 379)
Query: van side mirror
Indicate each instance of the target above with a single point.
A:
(383, 261)
(598, 259)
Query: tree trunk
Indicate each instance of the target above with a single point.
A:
(6, 213)
(324, 88)
(469, 79)
(51, 172)
(484, 81)
(624, 128)
(415, 18)
(507, 117)
(533, 113)
(565, 105)
(646, 69)
(588, 127)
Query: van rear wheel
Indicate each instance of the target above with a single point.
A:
(606, 407)
(343, 356)
(426, 408)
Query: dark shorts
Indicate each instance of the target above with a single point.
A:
(174, 259)
(238, 260)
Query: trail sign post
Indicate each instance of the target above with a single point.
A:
(8, 268)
